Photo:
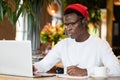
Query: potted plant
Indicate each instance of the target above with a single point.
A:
(14, 8)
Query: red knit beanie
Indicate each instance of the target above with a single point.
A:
(80, 8)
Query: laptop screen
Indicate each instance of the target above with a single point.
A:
(16, 58)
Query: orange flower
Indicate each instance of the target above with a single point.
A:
(51, 33)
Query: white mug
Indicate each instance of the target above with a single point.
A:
(65, 70)
(100, 72)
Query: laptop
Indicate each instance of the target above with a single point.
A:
(16, 59)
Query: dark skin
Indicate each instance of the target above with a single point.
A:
(77, 31)
(34, 69)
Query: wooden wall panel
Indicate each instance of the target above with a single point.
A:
(7, 31)
(109, 20)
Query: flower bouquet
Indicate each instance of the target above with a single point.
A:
(51, 33)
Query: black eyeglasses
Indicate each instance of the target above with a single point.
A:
(72, 23)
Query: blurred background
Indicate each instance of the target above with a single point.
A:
(41, 22)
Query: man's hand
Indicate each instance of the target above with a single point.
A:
(76, 71)
(34, 69)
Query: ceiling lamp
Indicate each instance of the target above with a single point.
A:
(52, 8)
(117, 2)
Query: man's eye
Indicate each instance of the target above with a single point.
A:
(72, 23)
(66, 24)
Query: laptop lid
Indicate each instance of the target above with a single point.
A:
(16, 58)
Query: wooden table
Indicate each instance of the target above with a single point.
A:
(6, 77)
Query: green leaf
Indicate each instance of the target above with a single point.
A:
(30, 22)
(1, 11)
(17, 14)
(59, 2)
(35, 17)
(20, 11)
(9, 13)
(44, 38)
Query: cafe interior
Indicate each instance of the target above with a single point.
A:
(35, 17)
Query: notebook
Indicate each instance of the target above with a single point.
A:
(16, 59)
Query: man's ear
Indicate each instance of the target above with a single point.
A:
(83, 21)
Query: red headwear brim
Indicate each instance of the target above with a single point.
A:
(80, 8)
